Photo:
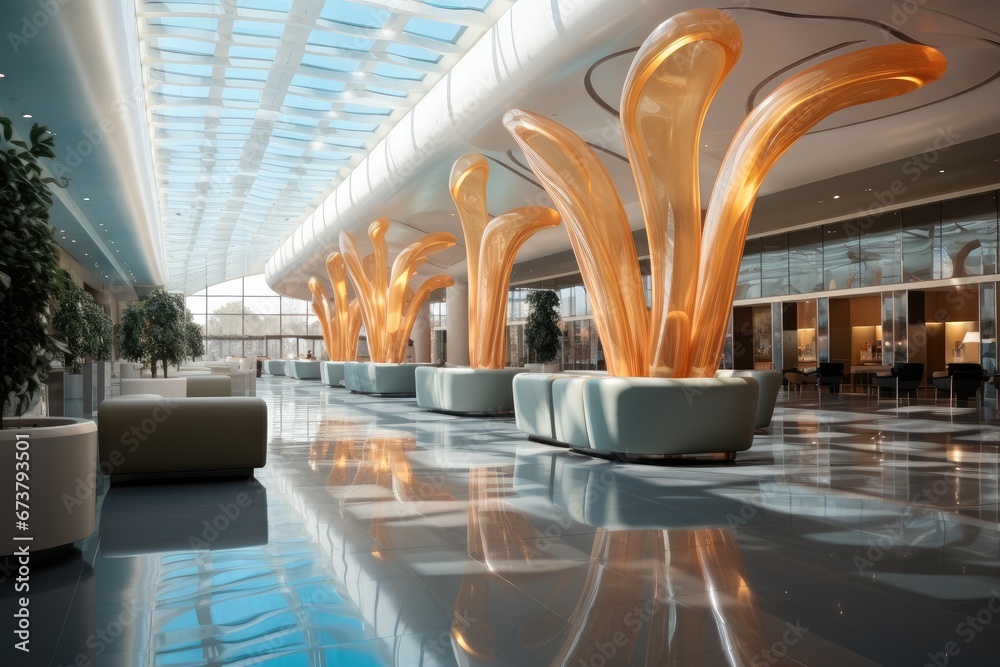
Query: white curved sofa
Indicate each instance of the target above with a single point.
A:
(331, 373)
(367, 377)
(148, 436)
(468, 391)
(303, 369)
(167, 387)
(638, 418)
(209, 385)
(770, 387)
(274, 367)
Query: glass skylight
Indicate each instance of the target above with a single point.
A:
(259, 108)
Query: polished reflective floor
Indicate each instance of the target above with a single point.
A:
(854, 533)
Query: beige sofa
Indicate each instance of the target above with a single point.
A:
(147, 436)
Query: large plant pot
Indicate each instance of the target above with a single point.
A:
(303, 369)
(367, 377)
(73, 394)
(467, 391)
(638, 418)
(62, 475)
(331, 374)
(657, 417)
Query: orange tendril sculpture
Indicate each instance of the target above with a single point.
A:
(388, 306)
(491, 247)
(694, 267)
(340, 320)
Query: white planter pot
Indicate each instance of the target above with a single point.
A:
(62, 457)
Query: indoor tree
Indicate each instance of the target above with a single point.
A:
(164, 328)
(541, 331)
(101, 331)
(130, 334)
(72, 324)
(194, 339)
(29, 266)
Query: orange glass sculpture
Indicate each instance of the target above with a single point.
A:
(694, 267)
(388, 306)
(491, 247)
(340, 320)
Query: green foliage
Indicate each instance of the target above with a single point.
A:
(541, 332)
(164, 339)
(130, 334)
(194, 339)
(29, 265)
(71, 323)
(101, 332)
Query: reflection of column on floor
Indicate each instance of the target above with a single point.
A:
(661, 565)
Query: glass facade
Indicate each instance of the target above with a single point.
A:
(245, 318)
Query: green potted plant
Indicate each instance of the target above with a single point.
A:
(164, 329)
(194, 339)
(100, 334)
(63, 451)
(542, 334)
(71, 325)
(130, 334)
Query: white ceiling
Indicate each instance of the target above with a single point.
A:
(205, 157)
(570, 65)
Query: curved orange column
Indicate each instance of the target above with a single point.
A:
(490, 247)
(388, 305)
(695, 267)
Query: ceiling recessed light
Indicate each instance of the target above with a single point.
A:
(820, 201)
(26, 115)
(86, 199)
(941, 171)
(358, 73)
(836, 196)
(63, 237)
(2, 75)
(73, 241)
(62, 231)
(102, 224)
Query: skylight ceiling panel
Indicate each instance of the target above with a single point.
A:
(339, 40)
(390, 72)
(354, 14)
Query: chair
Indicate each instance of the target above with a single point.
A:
(905, 377)
(962, 381)
(797, 380)
(831, 374)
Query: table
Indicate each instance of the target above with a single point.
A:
(867, 371)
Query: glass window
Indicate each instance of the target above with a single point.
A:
(228, 288)
(748, 286)
(225, 326)
(293, 324)
(919, 229)
(263, 305)
(261, 325)
(293, 306)
(969, 236)
(881, 254)
(841, 255)
(225, 305)
(774, 265)
(256, 286)
(195, 304)
(805, 261)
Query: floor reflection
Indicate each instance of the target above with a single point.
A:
(379, 534)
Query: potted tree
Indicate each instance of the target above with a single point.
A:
(542, 334)
(72, 326)
(164, 329)
(194, 339)
(130, 335)
(100, 330)
(61, 451)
